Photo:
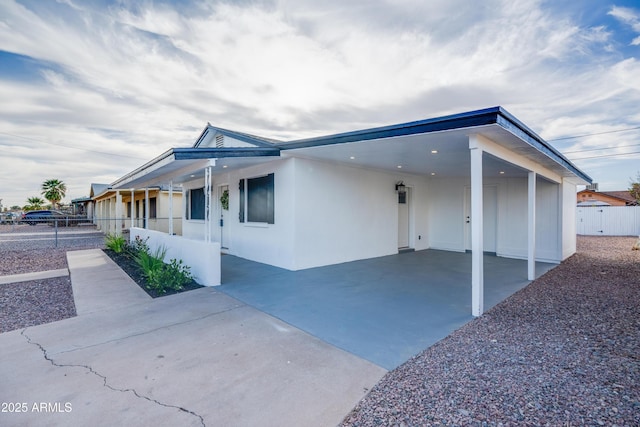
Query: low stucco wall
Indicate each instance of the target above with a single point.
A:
(202, 257)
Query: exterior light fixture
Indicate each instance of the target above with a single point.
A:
(400, 187)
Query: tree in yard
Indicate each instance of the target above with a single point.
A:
(54, 190)
(34, 203)
(634, 188)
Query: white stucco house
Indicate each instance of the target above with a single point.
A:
(479, 181)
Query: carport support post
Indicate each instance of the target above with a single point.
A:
(146, 207)
(207, 204)
(170, 208)
(477, 261)
(531, 227)
(133, 198)
(118, 224)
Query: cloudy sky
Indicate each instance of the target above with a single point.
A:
(92, 89)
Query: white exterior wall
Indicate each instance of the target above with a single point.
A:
(202, 258)
(568, 225)
(446, 214)
(447, 220)
(548, 222)
(344, 213)
(268, 243)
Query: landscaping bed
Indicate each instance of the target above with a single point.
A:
(129, 266)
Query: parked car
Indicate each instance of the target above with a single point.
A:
(8, 217)
(37, 217)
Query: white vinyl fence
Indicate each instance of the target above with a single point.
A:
(608, 220)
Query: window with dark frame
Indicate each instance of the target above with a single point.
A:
(259, 196)
(152, 208)
(196, 203)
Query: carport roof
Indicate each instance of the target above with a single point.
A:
(495, 121)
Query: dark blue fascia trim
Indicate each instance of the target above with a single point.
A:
(245, 137)
(226, 152)
(455, 121)
(513, 125)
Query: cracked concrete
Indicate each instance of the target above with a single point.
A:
(105, 382)
(193, 359)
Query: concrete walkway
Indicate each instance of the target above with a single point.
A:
(193, 359)
(26, 277)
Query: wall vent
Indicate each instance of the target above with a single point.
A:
(219, 141)
(593, 187)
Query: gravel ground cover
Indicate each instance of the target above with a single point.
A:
(563, 351)
(36, 302)
(28, 249)
(33, 248)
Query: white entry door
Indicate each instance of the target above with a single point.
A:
(223, 209)
(403, 219)
(490, 218)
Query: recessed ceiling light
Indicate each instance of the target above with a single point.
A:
(399, 166)
(352, 157)
(225, 166)
(433, 173)
(501, 172)
(193, 176)
(434, 151)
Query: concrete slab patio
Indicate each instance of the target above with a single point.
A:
(383, 309)
(193, 359)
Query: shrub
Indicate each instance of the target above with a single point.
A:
(138, 245)
(115, 243)
(174, 275)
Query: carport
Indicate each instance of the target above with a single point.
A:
(383, 309)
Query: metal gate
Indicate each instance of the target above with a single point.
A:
(608, 220)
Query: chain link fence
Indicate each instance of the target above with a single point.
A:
(69, 230)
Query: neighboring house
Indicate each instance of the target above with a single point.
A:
(86, 205)
(370, 193)
(81, 205)
(150, 208)
(610, 198)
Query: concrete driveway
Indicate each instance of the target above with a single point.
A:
(193, 359)
(384, 309)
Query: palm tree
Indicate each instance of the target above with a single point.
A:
(34, 203)
(54, 190)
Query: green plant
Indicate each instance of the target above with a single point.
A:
(115, 243)
(174, 275)
(224, 200)
(54, 190)
(138, 245)
(34, 204)
(149, 262)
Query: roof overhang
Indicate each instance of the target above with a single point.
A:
(411, 146)
(179, 164)
(433, 147)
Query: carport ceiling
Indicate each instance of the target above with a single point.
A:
(414, 154)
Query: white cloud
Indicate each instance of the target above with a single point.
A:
(139, 80)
